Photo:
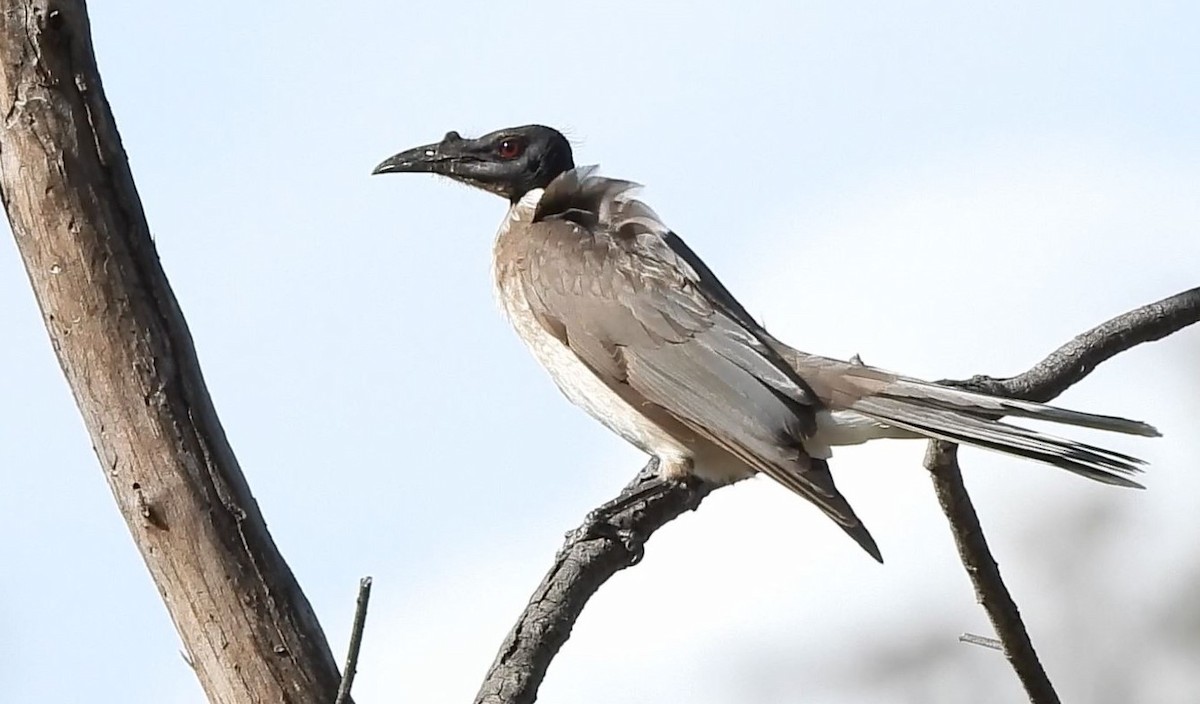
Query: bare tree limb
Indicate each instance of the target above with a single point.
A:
(126, 352)
(356, 635)
(583, 564)
(992, 593)
(1069, 364)
(586, 561)
(1065, 366)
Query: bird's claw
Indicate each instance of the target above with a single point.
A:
(598, 525)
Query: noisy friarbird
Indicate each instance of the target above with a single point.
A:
(635, 329)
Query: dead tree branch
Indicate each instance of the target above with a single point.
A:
(1065, 366)
(125, 349)
(585, 562)
(942, 460)
(356, 636)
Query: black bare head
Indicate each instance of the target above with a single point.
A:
(509, 162)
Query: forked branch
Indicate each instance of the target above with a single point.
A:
(586, 561)
(1065, 366)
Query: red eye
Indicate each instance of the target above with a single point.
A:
(510, 148)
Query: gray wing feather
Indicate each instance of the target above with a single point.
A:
(642, 311)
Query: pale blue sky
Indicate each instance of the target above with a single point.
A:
(945, 188)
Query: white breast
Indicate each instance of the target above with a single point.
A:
(577, 382)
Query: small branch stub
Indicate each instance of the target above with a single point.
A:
(356, 634)
(982, 641)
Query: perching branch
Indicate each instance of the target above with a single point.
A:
(1065, 366)
(586, 561)
(124, 347)
(583, 564)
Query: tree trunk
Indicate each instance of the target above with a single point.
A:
(127, 354)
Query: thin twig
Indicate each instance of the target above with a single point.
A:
(356, 634)
(585, 562)
(982, 641)
(1065, 366)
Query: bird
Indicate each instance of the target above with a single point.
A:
(634, 328)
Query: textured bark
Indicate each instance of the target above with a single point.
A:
(582, 566)
(125, 349)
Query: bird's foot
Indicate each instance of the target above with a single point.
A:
(606, 521)
(611, 509)
(628, 538)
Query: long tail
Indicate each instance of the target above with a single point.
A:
(967, 417)
(921, 408)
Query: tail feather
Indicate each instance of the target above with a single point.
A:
(952, 398)
(927, 417)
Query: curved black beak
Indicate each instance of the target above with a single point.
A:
(475, 162)
(435, 158)
(418, 159)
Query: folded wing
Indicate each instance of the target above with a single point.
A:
(604, 275)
